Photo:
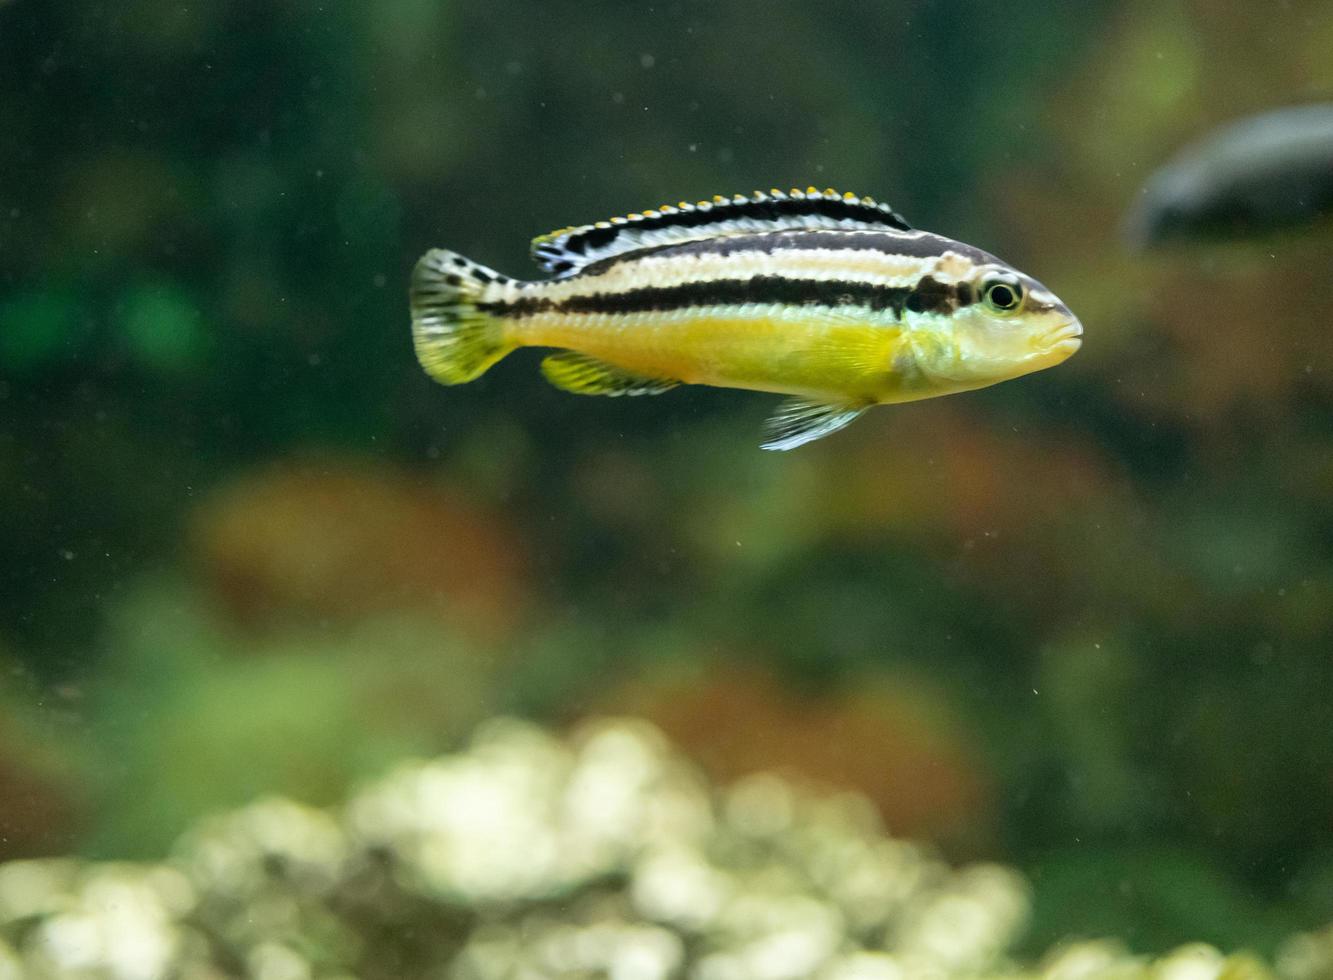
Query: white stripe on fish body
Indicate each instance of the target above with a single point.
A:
(814, 264)
(672, 269)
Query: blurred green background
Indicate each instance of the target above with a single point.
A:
(1079, 623)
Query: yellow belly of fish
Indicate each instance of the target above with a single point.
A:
(812, 356)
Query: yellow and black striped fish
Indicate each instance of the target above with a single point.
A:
(830, 298)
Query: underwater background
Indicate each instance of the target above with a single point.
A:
(1069, 636)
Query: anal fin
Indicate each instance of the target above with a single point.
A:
(584, 375)
(798, 421)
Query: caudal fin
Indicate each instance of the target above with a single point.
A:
(455, 341)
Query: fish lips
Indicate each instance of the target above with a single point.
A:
(1064, 340)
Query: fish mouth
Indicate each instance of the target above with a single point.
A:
(1064, 339)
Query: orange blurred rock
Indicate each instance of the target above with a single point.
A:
(1031, 516)
(341, 541)
(894, 741)
(38, 819)
(1242, 336)
(949, 469)
(42, 801)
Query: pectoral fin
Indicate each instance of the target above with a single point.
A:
(585, 375)
(798, 421)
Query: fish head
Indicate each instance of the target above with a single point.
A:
(1005, 324)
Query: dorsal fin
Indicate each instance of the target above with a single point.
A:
(568, 250)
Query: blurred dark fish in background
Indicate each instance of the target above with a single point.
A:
(1259, 174)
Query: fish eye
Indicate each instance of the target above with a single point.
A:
(1002, 295)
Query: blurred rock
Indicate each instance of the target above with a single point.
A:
(1308, 956)
(42, 804)
(897, 742)
(1038, 522)
(604, 857)
(38, 815)
(968, 477)
(339, 541)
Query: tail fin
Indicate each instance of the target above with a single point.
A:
(455, 341)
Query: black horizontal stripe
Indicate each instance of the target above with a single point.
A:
(927, 296)
(917, 245)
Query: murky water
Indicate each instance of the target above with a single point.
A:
(367, 676)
